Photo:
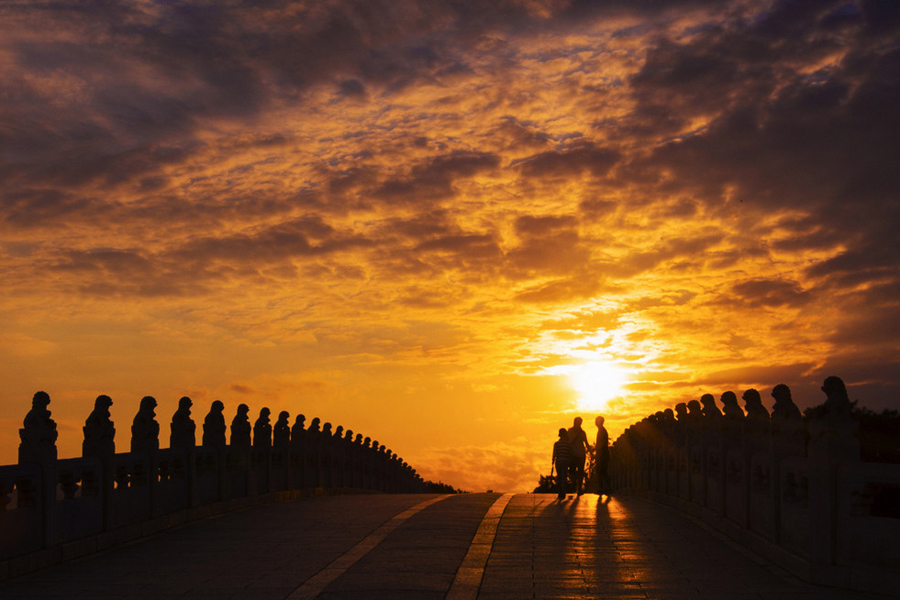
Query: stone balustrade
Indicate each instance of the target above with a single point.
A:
(796, 492)
(52, 509)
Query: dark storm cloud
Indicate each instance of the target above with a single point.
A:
(474, 245)
(353, 88)
(140, 77)
(770, 293)
(693, 251)
(305, 236)
(32, 207)
(116, 262)
(819, 140)
(115, 272)
(561, 290)
(766, 375)
(548, 245)
(789, 131)
(433, 179)
(191, 267)
(572, 160)
(521, 134)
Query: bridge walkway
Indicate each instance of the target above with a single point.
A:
(429, 547)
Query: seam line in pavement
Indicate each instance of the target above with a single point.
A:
(314, 586)
(468, 576)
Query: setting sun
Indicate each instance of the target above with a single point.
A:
(597, 383)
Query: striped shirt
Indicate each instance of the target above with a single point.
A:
(562, 452)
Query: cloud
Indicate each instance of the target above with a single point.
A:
(433, 179)
(770, 292)
(573, 160)
(702, 192)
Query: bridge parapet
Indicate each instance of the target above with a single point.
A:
(796, 492)
(53, 509)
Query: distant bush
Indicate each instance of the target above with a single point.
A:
(442, 488)
(546, 485)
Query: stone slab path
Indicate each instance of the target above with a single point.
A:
(429, 547)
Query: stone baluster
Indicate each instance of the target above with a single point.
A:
(38, 447)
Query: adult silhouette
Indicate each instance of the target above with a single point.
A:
(601, 456)
(240, 428)
(214, 426)
(99, 431)
(183, 429)
(144, 428)
(580, 446)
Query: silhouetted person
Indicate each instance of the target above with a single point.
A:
(710, 410)
(183, 429)
(730, 406)
(262, 430)
(240, 428)
(99, 431)
(837, 402)
(578, 439)
(144, 428)
(214, 426)
(561, 459)
(756, 412)
(601, 456)
(784, 408)
(38, 434)
(281, 433)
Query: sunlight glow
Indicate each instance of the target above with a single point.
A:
(597, 383)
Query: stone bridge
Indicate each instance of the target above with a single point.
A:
(702, 508)
(409, 547)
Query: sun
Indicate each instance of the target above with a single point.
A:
(597, 383)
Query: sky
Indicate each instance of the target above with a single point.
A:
(452, 226)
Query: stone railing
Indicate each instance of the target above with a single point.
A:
(796, 493)
(52, 510)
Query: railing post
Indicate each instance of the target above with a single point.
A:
(38, 447)
(833, 448)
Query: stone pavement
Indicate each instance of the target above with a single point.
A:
(412, 547)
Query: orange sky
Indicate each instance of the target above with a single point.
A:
(419, 220)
